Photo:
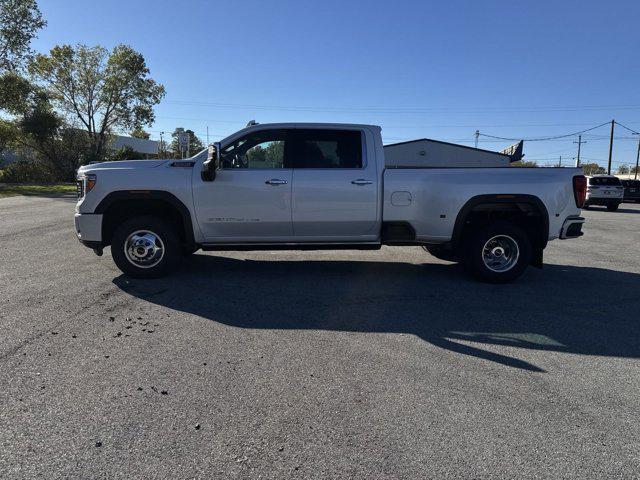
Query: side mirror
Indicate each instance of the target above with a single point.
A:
(212, 164)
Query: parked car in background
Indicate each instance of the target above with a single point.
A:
(631, 190)
(605, 190)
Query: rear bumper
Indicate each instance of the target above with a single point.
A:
(88, 228)
(572, 228)
(603, 201)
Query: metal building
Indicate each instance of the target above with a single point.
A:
(425, 152)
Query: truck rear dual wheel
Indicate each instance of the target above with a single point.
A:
(145, 247)
(497, 253)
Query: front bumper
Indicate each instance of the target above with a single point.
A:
(572, 228)
(88, 228)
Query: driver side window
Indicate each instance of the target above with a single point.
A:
(259, 150)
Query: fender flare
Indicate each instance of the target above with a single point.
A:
(158, 195)
(473, 202)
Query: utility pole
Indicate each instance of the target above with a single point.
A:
(560, 161)
(635, 177)
(613, 122)
(207, 135)
(477, 135)
(162, 144)
(579, 142)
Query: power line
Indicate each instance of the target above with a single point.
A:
(540, 139)
(402, 109)
(603, 137)
(386, 127)
(630, 129)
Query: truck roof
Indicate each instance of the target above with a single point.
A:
(260, 126)
(310, 125)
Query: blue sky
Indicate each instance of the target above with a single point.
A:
(419, 69)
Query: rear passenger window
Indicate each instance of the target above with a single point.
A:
(316, 148)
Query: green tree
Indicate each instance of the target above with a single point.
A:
(275, 153)
(33, 131)
(19, 22)
(256, 155)
(99, 90)
(126, 153)
(40, 138)
(623, 169)
(17, 94)
(592, 169)
(140, 133)
(195, 144)
(524, 163)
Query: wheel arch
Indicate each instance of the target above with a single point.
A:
(521, 206)
(123, 204)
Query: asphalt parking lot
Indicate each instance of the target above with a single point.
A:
(387, 364)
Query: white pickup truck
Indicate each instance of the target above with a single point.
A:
(322, 186)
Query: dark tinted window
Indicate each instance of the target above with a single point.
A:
(262, 149)
(631, 183)
(315, 148)
(600, 181)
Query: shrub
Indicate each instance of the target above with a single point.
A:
(125, 153)
(25, 171)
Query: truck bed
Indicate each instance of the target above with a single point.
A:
(431, 198)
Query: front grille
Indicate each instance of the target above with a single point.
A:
(80, 188)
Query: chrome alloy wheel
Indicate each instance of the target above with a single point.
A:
(144, 249)
(500, 253)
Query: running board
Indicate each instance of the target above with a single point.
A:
(247, 247)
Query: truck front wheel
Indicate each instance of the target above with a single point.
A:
(145, 247)
(498, 253)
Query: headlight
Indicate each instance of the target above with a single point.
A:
(89, 182)
(85, 184)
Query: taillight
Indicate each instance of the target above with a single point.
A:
(580, 190)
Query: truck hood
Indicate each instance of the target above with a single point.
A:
(123, 165)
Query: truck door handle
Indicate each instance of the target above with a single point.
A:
(361, 181)
(276, 181)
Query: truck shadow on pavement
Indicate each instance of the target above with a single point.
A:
(589, 311)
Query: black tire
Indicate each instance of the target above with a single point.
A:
(612, 207)
(510, 235)
(171, 249)
(440, 252)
